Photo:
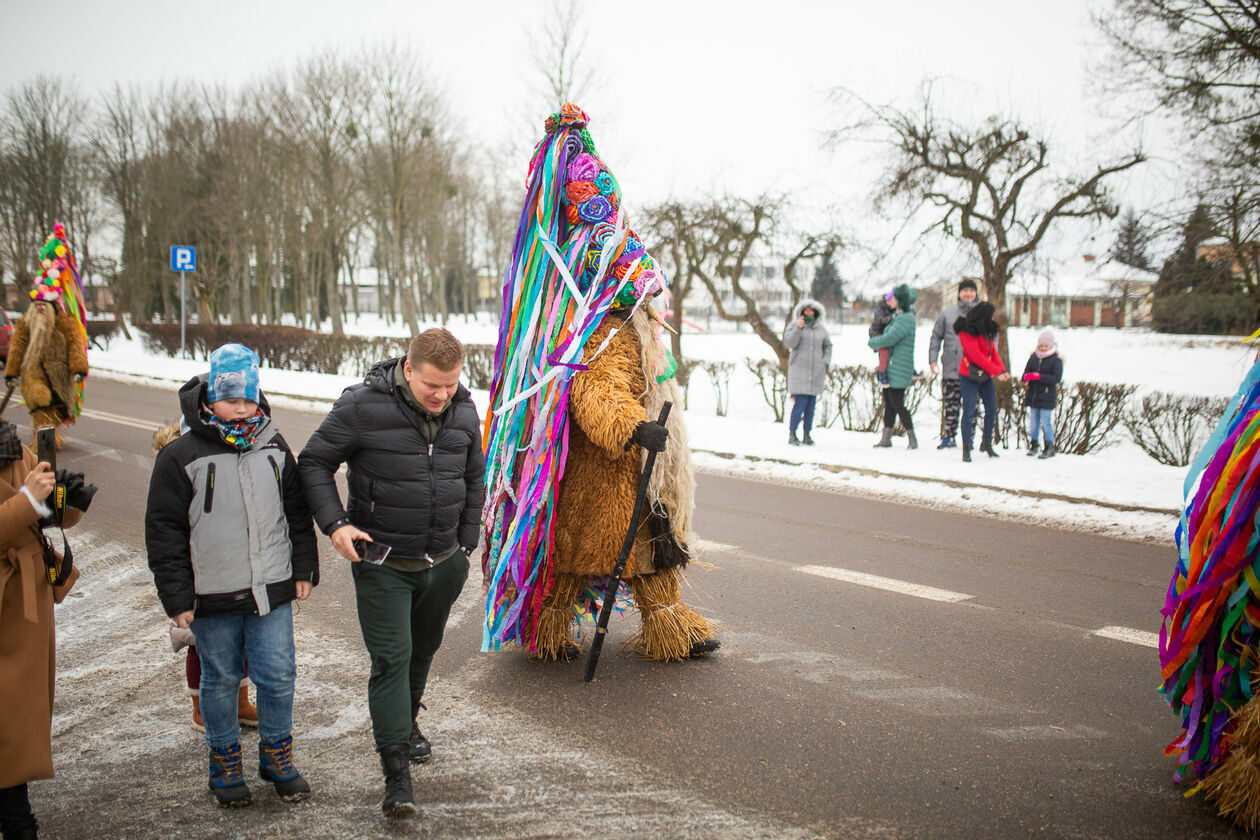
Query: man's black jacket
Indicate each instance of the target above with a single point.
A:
(418, 496)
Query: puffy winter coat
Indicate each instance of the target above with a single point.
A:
(980, 351)
(1042, 392)
(419, 496)
(27, 637)
(809, 351)
(944, 342)
(226, 531)
(898, 337)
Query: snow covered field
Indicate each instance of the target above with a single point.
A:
(1120, 491)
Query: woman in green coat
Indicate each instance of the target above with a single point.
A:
(898, 337)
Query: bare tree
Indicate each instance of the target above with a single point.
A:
(42, 168)
(721, 242)
(990, 185)
(558, 54)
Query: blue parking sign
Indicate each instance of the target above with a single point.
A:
(183, 258)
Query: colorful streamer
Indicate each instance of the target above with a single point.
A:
(1211, 629)
(574, 259)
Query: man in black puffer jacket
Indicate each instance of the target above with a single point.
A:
(411, 438)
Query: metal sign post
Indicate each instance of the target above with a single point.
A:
(183, 260)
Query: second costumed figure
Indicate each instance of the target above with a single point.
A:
(580, 376)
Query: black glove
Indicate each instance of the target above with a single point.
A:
(77, 494)
(650, 435)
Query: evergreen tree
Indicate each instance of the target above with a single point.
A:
(828, 288)
(1132, 239)
(1196, 294)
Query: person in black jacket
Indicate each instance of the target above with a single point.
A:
(230, 544)
(411, 438)
(1043, 373)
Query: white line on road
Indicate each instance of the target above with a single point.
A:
(147, 425)
(1128, 634)
(889, 584)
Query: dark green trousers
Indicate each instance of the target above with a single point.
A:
(402, 616)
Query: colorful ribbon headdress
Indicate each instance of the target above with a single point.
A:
(574, 259)
(58, 283)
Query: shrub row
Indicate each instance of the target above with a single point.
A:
(1170, 428)
(293, 348)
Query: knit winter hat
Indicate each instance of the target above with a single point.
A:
(1046, 337)
(233, 374)
(905, 296)
(967, 283)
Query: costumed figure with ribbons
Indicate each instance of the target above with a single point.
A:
(48, 356)
(580, 375)
(1209, 643)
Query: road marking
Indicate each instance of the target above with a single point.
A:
(875, 581)
(706, 546)
(1128, 634)
(147, 425)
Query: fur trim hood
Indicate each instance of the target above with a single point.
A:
(813, 304)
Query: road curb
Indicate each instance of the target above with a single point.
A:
(948, 482)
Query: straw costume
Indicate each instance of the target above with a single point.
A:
(578, 367)
(48, 355)
(1209, 645)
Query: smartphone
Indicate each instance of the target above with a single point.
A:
(46, 446)
(372, 552)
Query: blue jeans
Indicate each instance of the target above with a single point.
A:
(803, 407)
(224, 643)
(1042, 418)
(971, 392)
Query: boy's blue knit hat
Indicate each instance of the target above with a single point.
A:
(233, 374)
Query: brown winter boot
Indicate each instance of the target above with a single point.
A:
(246, 713)
(197, 723)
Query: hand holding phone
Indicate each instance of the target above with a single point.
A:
(372, 552)
(46, 446)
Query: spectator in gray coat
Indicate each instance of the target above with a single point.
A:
(944, 345)
(809, 349)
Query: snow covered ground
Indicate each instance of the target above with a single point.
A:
(1120, 491)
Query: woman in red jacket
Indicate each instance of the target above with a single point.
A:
(980, 365)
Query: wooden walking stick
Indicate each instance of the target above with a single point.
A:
(605, 612)
(7, 395)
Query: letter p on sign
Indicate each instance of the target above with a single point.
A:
(183, 258)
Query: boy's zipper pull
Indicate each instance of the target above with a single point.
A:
(430, 450)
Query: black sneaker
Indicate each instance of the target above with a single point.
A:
(421, 749)
(275, 765)
(793, 439)
(226, 781)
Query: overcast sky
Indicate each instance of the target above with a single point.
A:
(694, 98)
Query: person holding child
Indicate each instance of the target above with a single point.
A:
(1042, 374)
(898, 339)
(231, 544)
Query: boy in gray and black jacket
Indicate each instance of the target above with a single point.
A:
(231, 543)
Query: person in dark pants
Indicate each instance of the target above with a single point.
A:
(980, 365)
(944, 345)
(411, 438)
(898, 337)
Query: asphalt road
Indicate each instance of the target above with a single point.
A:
(887, 671)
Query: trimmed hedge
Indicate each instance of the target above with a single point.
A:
(294, 348)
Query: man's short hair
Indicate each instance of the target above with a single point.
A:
(438, 347)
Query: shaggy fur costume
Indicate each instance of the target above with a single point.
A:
(46, 352)
(596, 497)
